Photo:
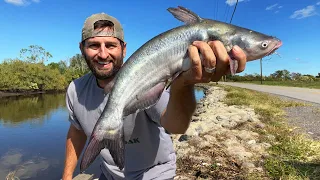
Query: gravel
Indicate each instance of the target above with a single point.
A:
(305, 119)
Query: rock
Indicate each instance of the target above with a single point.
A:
(199, 129)
(222, 118)
(246, 135)
(235, 118)
(239, 152)
(210, 138)
(248, 165)
(183, 137)
(229, 124)
(251, 142)
(260, 125)
(215, 128)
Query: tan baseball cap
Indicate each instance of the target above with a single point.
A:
(88, 27)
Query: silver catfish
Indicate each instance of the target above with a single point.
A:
(142, 78)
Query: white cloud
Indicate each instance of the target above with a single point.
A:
(16, 2)
(280, 7)
(318, 3)
(21, 2)
(271, 7)
(303, 13)
(276, 12)
(233, 2)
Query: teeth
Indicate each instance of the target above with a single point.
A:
(103, 63)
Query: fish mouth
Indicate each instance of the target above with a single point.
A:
(274, 48)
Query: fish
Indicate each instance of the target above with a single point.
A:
(142, 78)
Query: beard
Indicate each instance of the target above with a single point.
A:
(102, 74)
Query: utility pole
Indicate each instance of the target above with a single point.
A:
(261, 70)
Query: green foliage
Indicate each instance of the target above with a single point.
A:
(280, 78)
(35, 54)
(31, 74)
(78, 64)
(23, 76)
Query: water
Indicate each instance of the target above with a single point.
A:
(32, 135)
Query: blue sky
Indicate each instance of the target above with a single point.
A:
(56, 26)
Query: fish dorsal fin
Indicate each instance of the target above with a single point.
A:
(145, 100)
(185, 15)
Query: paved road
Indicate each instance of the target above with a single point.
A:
(305, 94)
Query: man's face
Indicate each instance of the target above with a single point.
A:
(104, 56)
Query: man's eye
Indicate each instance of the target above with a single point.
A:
(111, 46)
(94, 46)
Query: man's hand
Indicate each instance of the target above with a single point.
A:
(214, 55)
(182, 103)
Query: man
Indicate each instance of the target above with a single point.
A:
(149, 150)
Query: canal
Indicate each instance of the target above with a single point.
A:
(32, 134)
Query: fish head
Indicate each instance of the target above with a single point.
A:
(255, 45)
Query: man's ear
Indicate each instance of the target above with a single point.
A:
(124, 52)
(81, 47)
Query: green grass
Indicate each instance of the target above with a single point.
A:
(292, 155)
(314, 84)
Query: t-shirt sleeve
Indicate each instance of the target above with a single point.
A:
(69, 102)
(155, 111)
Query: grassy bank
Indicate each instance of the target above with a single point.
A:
(292, 155)
(313, 84)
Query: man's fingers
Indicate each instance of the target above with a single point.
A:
(208, 57)
(222, 57)
(196, 69)
(240, 56)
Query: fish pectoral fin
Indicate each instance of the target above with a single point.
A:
(233, 65)
(185, 15)
(115, 145)
(109, 86)
(174, 77)
(145, 100)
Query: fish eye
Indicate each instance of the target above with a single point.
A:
(264, 44)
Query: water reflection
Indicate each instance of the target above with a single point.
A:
(36, 127)
(34, 109)
(198, 93)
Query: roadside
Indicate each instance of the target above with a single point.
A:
(243, 134)
(305, 119)
(305, 94)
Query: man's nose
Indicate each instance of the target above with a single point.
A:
(103, 52)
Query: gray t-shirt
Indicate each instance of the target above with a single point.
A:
(149, 152)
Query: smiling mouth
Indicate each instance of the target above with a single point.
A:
(104, 62)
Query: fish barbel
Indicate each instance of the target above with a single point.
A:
(142, 78)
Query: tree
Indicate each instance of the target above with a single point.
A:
(281, 75)
(295, 76)
(35, 54)
(78, 63)
(61, 66)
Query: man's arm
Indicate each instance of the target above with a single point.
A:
(76, 140)
(182, 102)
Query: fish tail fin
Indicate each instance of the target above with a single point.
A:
(114, 143)
(92, 151)
(116, 148)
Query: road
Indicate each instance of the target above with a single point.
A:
(302, 118)
(305, 94)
